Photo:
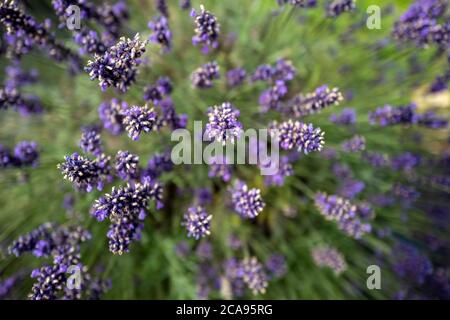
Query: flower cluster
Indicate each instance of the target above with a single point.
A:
(346, 214)
(24, 32)
(161, 33)
(337, 7)
(158, 164)
(90, 141)
(156, 92)
(138, 119)
(236, 77)
(126, 207)
(420, 24)
(117, 67)
(25, 153)
(299, 3)
(314, 102)
(222, 123)
(410, 263)
(346, 118)
(203, 76)
(270, 99)
(285, 169)
(294, 134)
(127, 165)
(248, 203)
(326, 256)
(254, 275)
(355, 144)
(283, 70)
(219, 167)
(197, 222)
(207, 29)
(63, 245)
(84, 173)
(389, 115)
(276, 265)
(111, 114)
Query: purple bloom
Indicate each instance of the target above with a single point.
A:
(375, 159)
(185, 4)
(117, 67)
(122, 232)
(337, 7)
(26, 153)
(430, 120)
(197, 222)
(203, 77)
(276, 265)
(409, 263)
(89, 42)
(25, 29)
(204, 196)
(127, 165)
(254, 275)
(355, 144)
(304, 137)
(158, 164)
(270, 99)
(161, 33)
(389, 115)
(161, 6)
(207, 29)
(346, 118)
(284, 170)
(25, 104)
(6, 159)
(170, 117)
(326, 256)
(16, 77)
(111, 114)
(236, 77)
(90, 141)
(222, 123)
(284, 70)
(406, 162)
(299, 3)
(82, 172)
(138, 119)
(338, 209)
(440, 83)
(419, 24)
(126, 207)
(204, 250)
(314, 102)
(246, 202)
(219, 167)
(156, 92)
(350, 188)
(263, 72)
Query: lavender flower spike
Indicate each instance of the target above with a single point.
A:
(246, 202)
(117, 67)
(138, 119)
(222, 123)
(197, 222)
(202, 77)
(337, 7)
(81, 171)
(207, 29)
(303, 137)
(325, 256)
(355, 144)
(254, 275)
(127, 165)
(161, 33)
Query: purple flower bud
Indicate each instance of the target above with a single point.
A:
(337, 7)
(246, 202)
(326, 256)
(236, 77)
(207, 29)
(111, 114)
(26, 153)
(222, 123)
(161, 33)
(197, 222)
(203, 77)
(355, 144)
(127, 165)
(90, 141)
(138, 119)
(346, 118)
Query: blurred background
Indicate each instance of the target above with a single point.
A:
(409, 239)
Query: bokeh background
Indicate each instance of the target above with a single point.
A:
(370, 67)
